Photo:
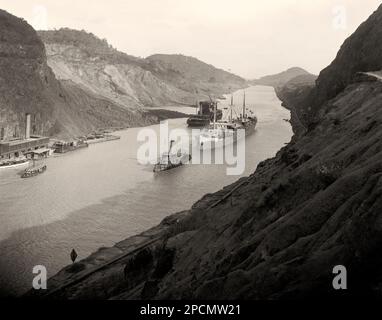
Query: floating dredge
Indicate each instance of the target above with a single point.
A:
(170, 161)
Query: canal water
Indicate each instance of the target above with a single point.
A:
(100, 195)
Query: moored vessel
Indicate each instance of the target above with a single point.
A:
(63, 147)
(100, 137)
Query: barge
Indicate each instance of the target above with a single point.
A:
(63, 147)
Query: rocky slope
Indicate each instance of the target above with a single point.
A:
(27, 84)
(280, 79)
(132, 82)
(278, 233)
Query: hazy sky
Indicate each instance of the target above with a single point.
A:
(249, 37)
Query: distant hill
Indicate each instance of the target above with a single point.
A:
(60, 109)
(130, 81)
(302, 80)
(280, 79)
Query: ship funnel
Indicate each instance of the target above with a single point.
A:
(27, 126)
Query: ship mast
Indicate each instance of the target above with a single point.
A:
(215, 105)
(169, 150)
(244, 105)
(197, 102)
(231, 107)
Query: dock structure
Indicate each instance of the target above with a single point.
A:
(29, 146)
(35, 145)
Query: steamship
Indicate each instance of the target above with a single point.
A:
(228, 131)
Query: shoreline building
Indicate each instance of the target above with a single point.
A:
(30, 146)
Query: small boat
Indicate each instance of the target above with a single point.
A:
(34, 171)
(170, 161)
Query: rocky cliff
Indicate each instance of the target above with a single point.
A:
(132, 82)
(361, 52)
(278, 233)
(27, 84)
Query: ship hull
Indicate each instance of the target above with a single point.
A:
(198, 122)
(229, 137)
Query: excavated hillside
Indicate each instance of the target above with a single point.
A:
(132, 82)
(276, 234)
(193, 75)
(60, 109)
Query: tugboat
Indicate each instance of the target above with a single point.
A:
(205, 114)
(34, 171)
(170, 161)
(226, 131)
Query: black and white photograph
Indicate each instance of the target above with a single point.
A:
(209, 151)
